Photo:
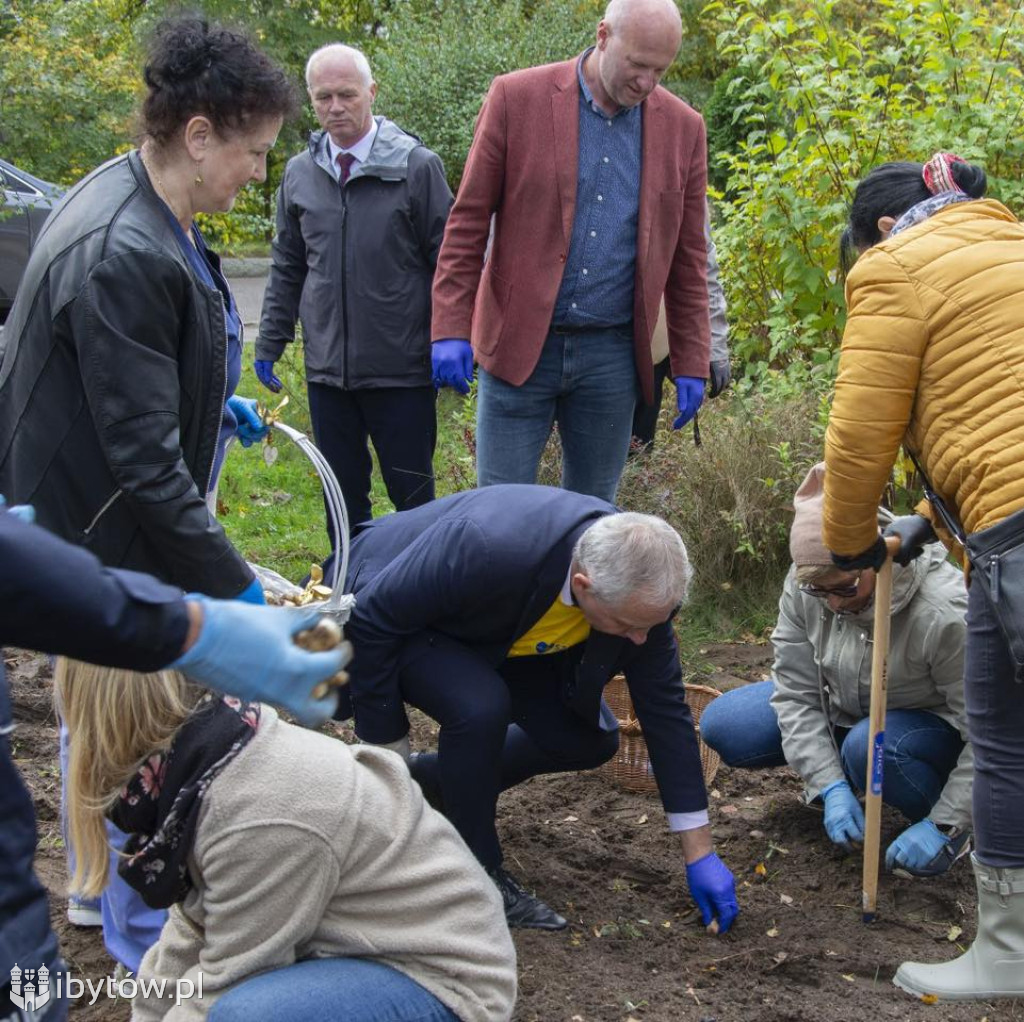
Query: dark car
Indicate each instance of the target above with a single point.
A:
(27, 202)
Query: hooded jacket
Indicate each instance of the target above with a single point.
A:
(822, 672)
(355, 263)
(933, 356)
(112, 387)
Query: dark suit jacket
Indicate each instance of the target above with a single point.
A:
(58, 598)
(482, 567)
(523, 167)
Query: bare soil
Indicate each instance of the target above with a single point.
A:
(635, 949)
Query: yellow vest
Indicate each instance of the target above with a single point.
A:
(563, 625)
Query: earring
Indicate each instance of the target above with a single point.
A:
(199, 175)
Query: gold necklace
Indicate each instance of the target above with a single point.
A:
(161, 189)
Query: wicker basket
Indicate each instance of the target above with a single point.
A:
(631, 766)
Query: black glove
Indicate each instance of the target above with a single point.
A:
(720, 376)
(873, 557)
(914, 531)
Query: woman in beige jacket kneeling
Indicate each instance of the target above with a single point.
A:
(305, 878)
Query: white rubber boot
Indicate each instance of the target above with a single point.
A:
(993, 966)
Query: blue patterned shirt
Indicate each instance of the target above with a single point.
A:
(597, 285)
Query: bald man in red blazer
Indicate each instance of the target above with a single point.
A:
(523, 169)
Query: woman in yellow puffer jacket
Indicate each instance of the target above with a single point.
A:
(933, 358)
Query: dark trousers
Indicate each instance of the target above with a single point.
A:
(645, 417)
(26, 939)
(498, 728)
(995, 726)
(402, 425)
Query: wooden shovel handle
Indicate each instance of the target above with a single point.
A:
(876, 729)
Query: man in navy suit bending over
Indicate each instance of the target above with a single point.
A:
(502, 613)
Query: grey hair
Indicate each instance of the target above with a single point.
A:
(631, 556)
(618, 12)
(340, 50)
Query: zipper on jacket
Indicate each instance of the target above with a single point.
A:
(102, 511)
(824, 693)
(994, 577)
(344, 285)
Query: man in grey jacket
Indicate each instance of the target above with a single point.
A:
(645, 416)
(813, 712)
(360, 216)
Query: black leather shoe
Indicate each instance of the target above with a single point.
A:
(431, 791)
(523, 909)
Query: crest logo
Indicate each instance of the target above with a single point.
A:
(30, 988)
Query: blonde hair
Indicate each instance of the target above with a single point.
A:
(811, 573)
(116, 719)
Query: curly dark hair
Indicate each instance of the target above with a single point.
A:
(195, 68)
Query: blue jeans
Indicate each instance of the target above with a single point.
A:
(586, 382)
(921, 749)
(995, 723)
(329, 989)
(130, 926)
(741, 727)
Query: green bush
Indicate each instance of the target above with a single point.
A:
(433, 65)
(67, 85)
(732, 497)
(821, 92)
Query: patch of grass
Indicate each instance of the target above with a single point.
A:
(246, 249)
(275, 514)
(732, 501)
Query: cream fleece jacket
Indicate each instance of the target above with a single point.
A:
(307, 847)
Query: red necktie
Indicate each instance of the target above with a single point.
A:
(344, 161)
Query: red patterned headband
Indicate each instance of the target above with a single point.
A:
(938, 173)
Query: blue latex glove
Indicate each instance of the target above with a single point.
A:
(250, 428)
(844, 818)
(922, 849)
(714, 890)
(252, 593)
(248, 652)
(265, 374)
(26, 512)
(689, 395)
(451, 364)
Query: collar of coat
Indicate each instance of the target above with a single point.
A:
(388, 158)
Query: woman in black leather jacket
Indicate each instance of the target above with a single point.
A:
(123, 349)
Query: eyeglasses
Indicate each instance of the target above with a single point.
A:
(843, 592)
